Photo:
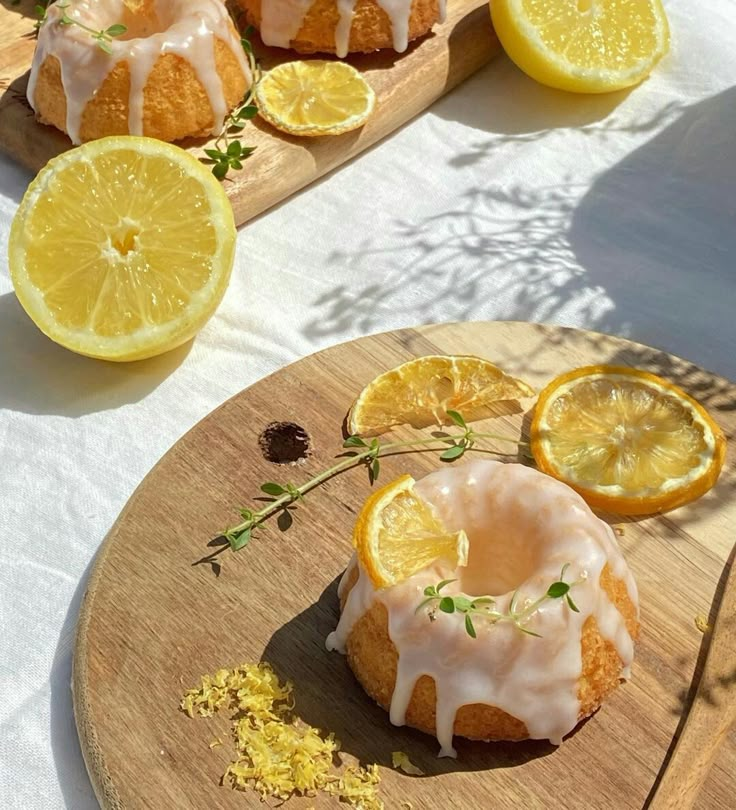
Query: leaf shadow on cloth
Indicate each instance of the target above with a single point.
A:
(659, 229)
(38, 376)
(625, 256)
(74, 782)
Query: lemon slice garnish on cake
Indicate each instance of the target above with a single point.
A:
(315, 97)
(627, 440)
(421, 392)
(585, 46)
(122, 248)
(398, 534)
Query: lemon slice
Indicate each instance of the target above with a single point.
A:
(315, 98)
(628, 441)
(398, 534)
(586, 46)
(122, 248)
(421, 392)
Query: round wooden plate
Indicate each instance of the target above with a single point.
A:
(152, 622)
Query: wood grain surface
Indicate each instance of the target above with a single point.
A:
(152, 622)
(405, 84)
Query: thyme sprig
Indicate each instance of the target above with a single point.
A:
(229, 153)
(485, 606)
(103, 37)
(359, 452)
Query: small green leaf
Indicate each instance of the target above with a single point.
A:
(251, 111)
(375, 469)
(215, 154)
(447, 604)
(293, 490)
(444, 584)
(270, 488)
(246, 514)
(430, 590)
(116, 30)
(234, 149)
(557, 589)
(457, 418)
(354, 441)
(453, 452)
(469, 627)
(220, 170)
(462, 604)
(484, 600)
(235, 164)
(238, 541)
(572, 604)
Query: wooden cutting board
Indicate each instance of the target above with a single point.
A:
(152, 622)
(405, 84)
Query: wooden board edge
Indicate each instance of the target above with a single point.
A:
(407, 85)
(102, 781)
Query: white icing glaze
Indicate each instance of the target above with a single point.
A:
(523, 526)
(398, 12)
(281, 21)
(187, 28)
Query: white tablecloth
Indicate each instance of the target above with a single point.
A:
(506, 200)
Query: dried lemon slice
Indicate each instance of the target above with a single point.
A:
(315, 98)
(122, 248)
(397, 534)
(628, 441)
(421, 392)
(586, 46)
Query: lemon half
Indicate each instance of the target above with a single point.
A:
(122, 248)
(585, 46)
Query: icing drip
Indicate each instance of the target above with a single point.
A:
(358, 602)
(346, 8)
(281, 20)
(191, 28)
(523, 527)
(398, 12)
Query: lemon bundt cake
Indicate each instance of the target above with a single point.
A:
(176, 71)
(342, 26)
(504, 678)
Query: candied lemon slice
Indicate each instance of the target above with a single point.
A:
(122, 248)
(315, 98)
(398, 534)
(586, 46)
(628, 441)
(421, 392)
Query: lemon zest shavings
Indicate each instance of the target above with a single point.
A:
(357, 787)
(702, 623)
(401, 762)
(278, 755)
